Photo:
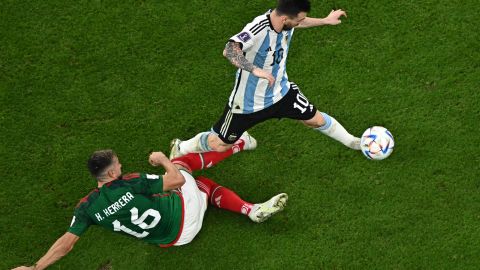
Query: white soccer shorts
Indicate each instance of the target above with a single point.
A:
(195, 205)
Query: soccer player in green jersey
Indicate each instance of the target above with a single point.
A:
(164, 210)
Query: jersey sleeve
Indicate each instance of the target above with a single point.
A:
(147, 184)
(80, 222)
(246, 37)
(155, 182)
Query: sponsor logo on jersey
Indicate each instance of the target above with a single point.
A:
(244, 36)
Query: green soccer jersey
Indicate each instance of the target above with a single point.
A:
(134, 205)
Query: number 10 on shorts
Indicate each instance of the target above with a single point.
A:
(301, 103)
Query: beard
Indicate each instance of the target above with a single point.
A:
(289, 26)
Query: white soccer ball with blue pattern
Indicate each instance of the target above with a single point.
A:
(377, 143)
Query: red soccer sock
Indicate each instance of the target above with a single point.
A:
(198, 161)
(223, 197)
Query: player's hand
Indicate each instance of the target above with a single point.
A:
(157, 159)
(24, 268)
(334, 17)
(263, 74)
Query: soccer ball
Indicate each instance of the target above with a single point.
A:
(377, 143)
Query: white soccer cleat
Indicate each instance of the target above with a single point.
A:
(355, 144)
(263, 211)
(175, 149)
(250, 142)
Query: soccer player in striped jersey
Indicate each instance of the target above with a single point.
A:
(262, 88)
(164, 210)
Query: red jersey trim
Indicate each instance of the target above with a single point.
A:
(160, 195)
(181, 224)
(125, 177)
(85, 199)
(130, 176)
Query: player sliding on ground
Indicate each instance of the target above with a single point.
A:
(262, 89)
(164, 210)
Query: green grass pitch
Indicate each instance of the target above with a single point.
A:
(77, 76)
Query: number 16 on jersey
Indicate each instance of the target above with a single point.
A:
(139, 221)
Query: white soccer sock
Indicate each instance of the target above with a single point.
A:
(335, 130)
(197, 144)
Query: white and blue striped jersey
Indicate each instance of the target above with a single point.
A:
(268, 50)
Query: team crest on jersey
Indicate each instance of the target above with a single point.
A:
(244, 36)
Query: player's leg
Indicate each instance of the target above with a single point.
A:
(298, 107)
(216, 144)
(204, 141)
(331, 127)
(197, 144)
(227, 130)
(246, 142)
(225, 198)
(199, 161)
(225, 133)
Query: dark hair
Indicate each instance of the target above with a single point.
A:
(292, 7)
(99, 161)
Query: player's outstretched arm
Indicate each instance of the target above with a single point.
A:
(234, 54)
(173, 178)
(59, 249)
(332, 19)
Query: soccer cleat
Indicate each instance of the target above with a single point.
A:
(250, 142)
(175, 149)
(263, 211)
(355, 144)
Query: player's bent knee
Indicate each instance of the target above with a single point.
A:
(311, 124)
(316, 121)
(214, 140)
(216, 144)
(221, 147)
(306, 123)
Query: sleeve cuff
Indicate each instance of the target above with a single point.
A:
(236, 41)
